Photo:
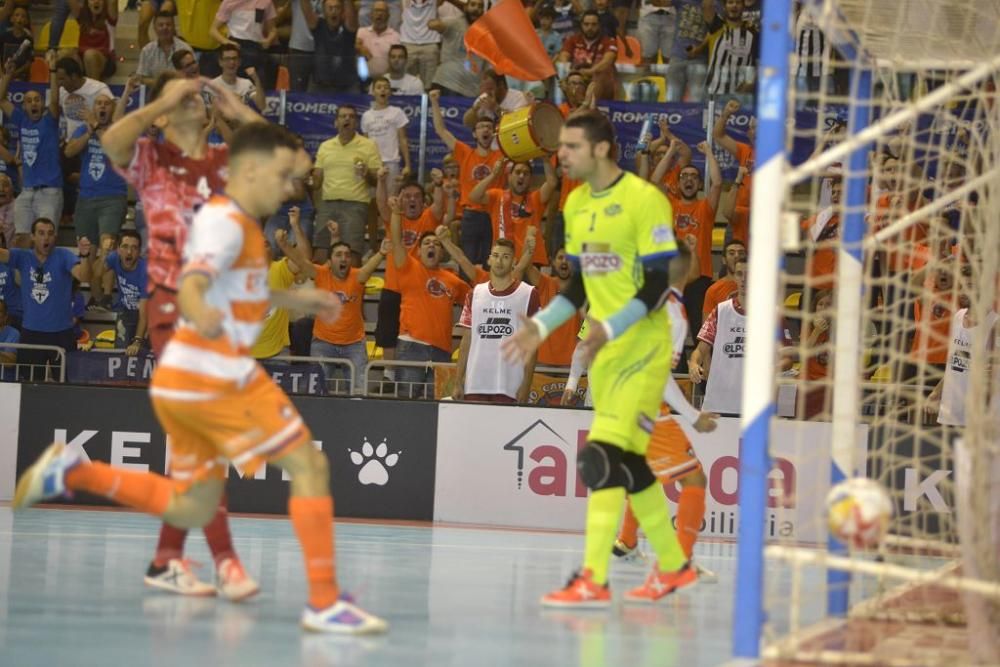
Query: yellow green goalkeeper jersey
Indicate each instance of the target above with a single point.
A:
(610, 233)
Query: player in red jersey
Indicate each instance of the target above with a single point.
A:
(174, 174)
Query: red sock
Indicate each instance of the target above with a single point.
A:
(312, 519)
(629, 533)
(220, 541)
(170, 545)
(144, 491)
(690, 512)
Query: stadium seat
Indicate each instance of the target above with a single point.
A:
(70, 37)
(792, 300)
(39, 72)
(636, 48)
(374, 285)
(283, 81)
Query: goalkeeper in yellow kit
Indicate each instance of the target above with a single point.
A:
(619, 234)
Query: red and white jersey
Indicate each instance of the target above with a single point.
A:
(957, 371)
(678, 325)
(725, 332)
(172, 187)
(492, 317)
(227, 245)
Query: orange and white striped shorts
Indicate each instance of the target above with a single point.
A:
(246, 427)
(670, 454)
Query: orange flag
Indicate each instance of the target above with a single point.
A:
(505, 38)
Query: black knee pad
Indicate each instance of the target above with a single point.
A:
(600, 466)
(638, 475)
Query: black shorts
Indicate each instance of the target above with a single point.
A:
(387, 327)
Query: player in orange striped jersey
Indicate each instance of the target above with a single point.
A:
(215, 401)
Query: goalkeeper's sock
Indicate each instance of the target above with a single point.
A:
(604, 507)
(650, 507)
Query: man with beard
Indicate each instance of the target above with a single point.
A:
(725, 287)
(493, 311)
(401, 82)
(593, 54)
(733, 49)
(374, 41)
(42, 178)
(474, 165)
(129, 272)
(514, 210)
(417, 218)
(495, 99)
(557, 350)
(103, 198)
(344, 338)
(694, 220)
(454, 76)
(173, 177)
(335, 67)
(427, 293)
(47, 274)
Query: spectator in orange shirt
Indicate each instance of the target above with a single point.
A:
(739, 219)
(576, 93)
(724, 288)
(474, 165)
(428, 294)
(694, 221)
(417, 218)
(816, 343)
(821, 233)
(513, 210)
(557, 350)
(665, 147)
(343, 338)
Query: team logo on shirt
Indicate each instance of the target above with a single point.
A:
(734, 348)
(96, 169)
(40, 289)
(613, 210)
(345, 297)
(662, 234)
(685, 223)
(437, 288)
(480, 171)
(598, 258)
(495, 327)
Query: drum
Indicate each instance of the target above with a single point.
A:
(530, 132)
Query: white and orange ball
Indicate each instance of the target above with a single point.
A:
(858, 512)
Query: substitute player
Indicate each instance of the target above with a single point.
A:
(173, 177)
(619, 234)
(217, 404)
(670, 454)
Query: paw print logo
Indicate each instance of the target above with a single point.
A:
(374, 462)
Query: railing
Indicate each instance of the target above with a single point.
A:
(22, 372)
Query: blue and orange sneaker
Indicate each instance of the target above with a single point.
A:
(660, 584)
(580, 592)
(46, 478)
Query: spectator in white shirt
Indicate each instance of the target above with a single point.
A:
(246, 89)
(155, 56)
(251, 26)
(386, 126)
(374, 42)
(420, 41)
(77, 93)
(400, 81)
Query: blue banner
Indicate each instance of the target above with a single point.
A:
(115, 368)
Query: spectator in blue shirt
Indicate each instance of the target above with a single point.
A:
(128, 270)
(47, 274)
(6, 211)
(9, 162)
(8, 334)
(103, 199)
(10, 296)
(42, 185)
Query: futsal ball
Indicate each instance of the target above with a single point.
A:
(858, 512)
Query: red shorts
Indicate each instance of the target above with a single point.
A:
(162, 313)
(246, 427)
(669, 454)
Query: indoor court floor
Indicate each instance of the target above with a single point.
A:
(71, 594)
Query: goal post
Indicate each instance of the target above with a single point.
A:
(874, 262)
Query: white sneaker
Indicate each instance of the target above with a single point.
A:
(342, 617)
(627, 554)
(232, 581)
(705, 576)
(46, 478)
(176, 577)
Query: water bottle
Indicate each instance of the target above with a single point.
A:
(647, 127)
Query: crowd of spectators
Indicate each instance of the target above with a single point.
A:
(360, 210)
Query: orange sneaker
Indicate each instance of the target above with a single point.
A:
(581, 592)
(660, 584)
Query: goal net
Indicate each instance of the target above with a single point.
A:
(890, 233)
